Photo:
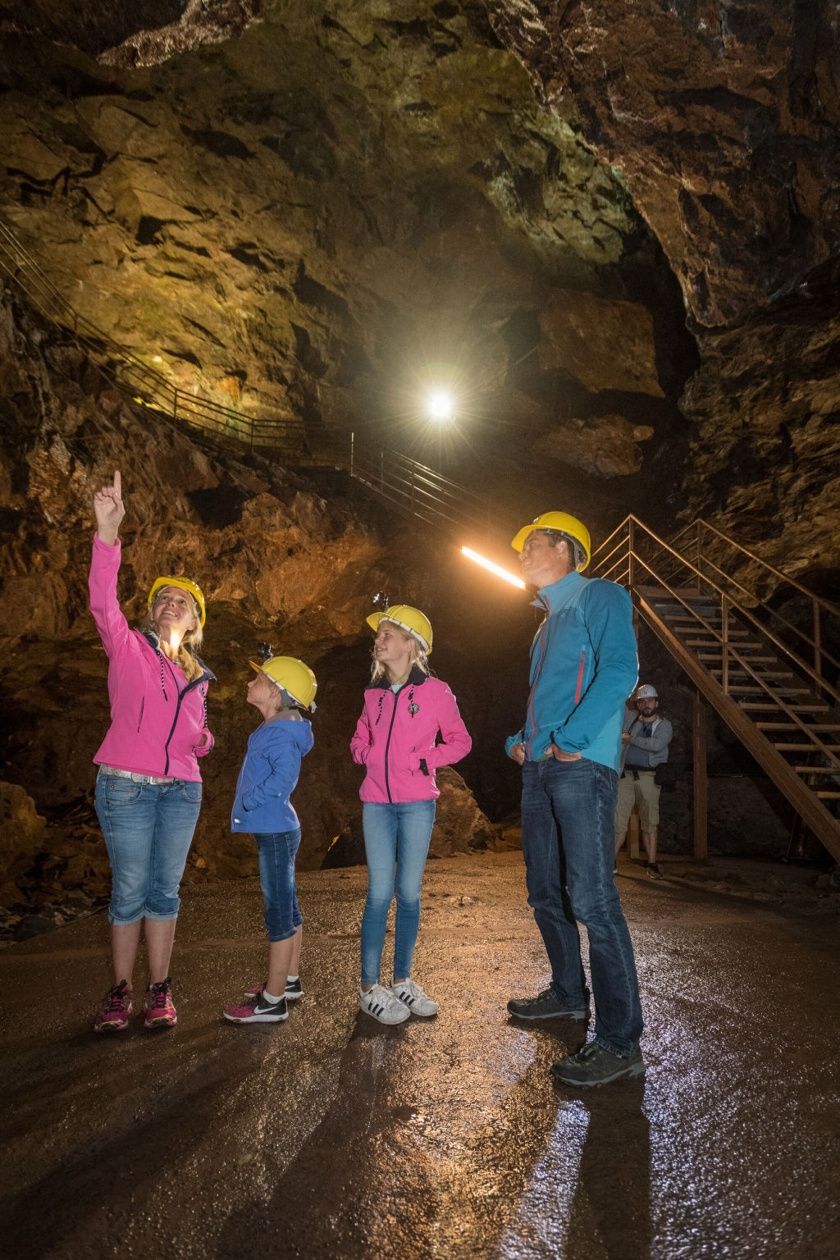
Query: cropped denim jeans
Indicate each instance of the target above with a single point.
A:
(567, 840)
(396, 844)
(148, 829)
(277, 851)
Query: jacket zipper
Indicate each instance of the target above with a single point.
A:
(195, 682)
(579, 687)
(532, 696)
(396, 695)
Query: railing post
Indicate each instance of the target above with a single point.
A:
(697, 528)
(352, 454)
(701, 784)
(631, 547)
(724, 629)
(817, 639)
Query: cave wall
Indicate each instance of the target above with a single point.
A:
(723, 118)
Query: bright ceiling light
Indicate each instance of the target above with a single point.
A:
(492, 567)
(440, 405)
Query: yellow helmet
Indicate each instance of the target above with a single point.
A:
(293, 676)
(183, 584)
(409, 619)
(562, 523)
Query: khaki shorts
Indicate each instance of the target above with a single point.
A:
(642, 792)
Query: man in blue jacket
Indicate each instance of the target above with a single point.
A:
(583, 667)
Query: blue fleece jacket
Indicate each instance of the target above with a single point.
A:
(584, 665)
(269, 775)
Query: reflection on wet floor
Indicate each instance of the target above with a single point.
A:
(333, 1136)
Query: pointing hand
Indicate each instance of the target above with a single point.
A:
(109, 509)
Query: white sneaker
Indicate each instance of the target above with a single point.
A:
(412, 996)
(383, 1005)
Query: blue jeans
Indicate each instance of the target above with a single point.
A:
(148, 830)
(568, 843)
(396, 843)
(278, 851)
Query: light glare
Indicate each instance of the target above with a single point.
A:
(440, 405)
(493, 567)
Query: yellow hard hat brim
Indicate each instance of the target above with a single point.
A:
(181, 584)
(518, 540)
(375, 618)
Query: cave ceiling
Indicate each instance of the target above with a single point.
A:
(593, 220)
(333, 209)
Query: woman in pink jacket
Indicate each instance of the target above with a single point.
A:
(409, 726)
(148, 789)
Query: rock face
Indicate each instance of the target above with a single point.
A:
(722, 120)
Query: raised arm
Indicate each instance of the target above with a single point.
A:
(105, 565)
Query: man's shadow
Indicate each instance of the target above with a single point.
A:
(611, 1207)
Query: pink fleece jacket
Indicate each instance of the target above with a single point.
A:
(158, 719)
(396, 739)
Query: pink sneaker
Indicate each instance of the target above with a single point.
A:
(116, 1008)
(292, 991)
(160, 1009)
(258, 1011)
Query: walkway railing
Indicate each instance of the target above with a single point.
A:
(416, 489)
(143, 384)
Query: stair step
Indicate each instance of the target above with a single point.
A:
(740, 689)
(708, 642)
(694, 623)
(794, 708)
(763, 673)
(792, 726)
(834, 749)
(828, 796)
(757, 660)
(817, 769)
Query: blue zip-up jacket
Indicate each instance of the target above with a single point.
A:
(584, 665)
(269, 775)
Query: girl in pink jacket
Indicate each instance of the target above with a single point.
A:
(409, 726)
(148, 789)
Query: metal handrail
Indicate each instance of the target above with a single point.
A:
(701, 523)
(633, 554)
(742, 661)
(815, 643)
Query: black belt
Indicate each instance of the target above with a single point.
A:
(635, 771)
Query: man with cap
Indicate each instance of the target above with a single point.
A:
(646, 737)
(583, 667)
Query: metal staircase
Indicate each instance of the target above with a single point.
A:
(766, 673)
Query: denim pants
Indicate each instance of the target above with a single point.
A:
(567, 840)
(278, 851)
(148, 829)
(396, 844)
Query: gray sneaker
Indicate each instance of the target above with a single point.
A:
(593, 1065)
(546, 1005)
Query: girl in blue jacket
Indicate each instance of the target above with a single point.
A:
(283, 686)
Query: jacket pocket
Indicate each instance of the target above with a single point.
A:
(140, 715)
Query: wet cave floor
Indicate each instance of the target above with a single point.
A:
(330, 1135)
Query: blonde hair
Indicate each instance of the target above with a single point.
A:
(186, 656)
(418, 656)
